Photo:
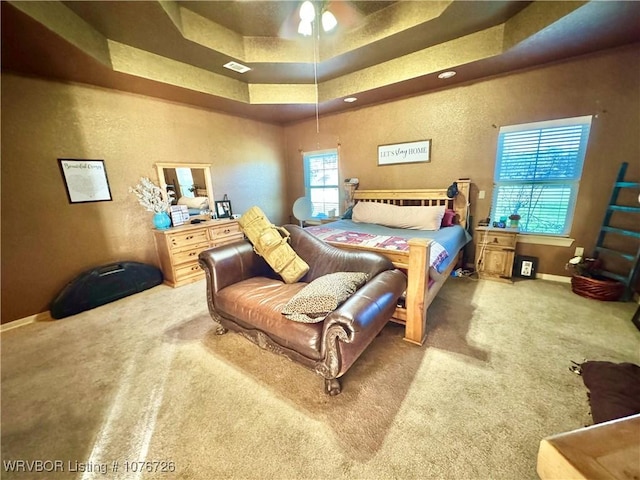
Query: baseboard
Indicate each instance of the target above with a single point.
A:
(541, 276)
(21, 322)
(553, 278)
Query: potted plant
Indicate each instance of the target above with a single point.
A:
(514, 220)
(588, 281)
(151, 198)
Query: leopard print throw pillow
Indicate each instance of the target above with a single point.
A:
(322, 296)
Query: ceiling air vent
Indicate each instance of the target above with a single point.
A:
(236, 67)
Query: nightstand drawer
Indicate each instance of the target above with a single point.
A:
(498, 239)
(187, 238)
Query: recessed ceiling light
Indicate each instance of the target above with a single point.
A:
(236, 67)
(350, 99)
(448, 74)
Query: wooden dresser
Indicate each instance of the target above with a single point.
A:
(178, 248)
(495, 252)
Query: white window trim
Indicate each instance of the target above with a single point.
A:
(554, 241)
(307, 188)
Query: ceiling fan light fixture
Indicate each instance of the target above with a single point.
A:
(329, 21)
(307, 12)
(305, 28)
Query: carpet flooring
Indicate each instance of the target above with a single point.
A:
(142, 388)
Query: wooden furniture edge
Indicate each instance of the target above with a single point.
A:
(592, 451)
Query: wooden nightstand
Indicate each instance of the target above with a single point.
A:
(495, 252)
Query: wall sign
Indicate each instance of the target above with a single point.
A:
(412, 152)
(85, 180)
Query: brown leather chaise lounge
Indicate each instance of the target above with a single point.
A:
(245, 295)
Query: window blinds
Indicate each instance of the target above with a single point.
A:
(538, 169)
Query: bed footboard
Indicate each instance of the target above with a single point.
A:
(418, 295)
(417, 290)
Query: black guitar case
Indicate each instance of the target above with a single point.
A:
(102, 285)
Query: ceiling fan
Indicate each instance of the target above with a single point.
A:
(324, 15)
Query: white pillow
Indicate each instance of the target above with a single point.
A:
(194, 202)
(415, 218)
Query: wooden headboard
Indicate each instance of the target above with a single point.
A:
(422, 197)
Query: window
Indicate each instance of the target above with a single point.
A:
(538, 170)
(321, 182)
(185, 182)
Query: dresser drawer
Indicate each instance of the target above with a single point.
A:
(498, 239)
(188, 270)
(228, 239)
(178, 240)
(188, 255)
(221, 232)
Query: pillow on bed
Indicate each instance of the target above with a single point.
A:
(448, 220)
(194, 202)
(348, 214)
(415, 218)
(322, 296)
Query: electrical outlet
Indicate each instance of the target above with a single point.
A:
(481, 194)
(579, 251)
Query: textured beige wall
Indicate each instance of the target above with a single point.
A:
(463, 125)
(47, 242)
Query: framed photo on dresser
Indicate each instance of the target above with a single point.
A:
(223, 209)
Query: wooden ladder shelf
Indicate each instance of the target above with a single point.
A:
(633, 236)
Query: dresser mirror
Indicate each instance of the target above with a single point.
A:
(191, 186)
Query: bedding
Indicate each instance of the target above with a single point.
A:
(415, 218)
(447, 242)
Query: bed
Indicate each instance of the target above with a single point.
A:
(428, 257)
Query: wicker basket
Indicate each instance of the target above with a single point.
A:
(597, 288)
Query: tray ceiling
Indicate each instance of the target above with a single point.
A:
(380, 50)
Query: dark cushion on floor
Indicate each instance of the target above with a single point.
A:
(614, 389)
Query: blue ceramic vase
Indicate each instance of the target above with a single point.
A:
(161, 220)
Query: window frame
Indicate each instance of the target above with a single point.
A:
(572, 182)
(306, 163)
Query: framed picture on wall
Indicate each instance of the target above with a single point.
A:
(85, 180)
(223, 209)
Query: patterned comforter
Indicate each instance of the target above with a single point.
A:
(389, 242)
